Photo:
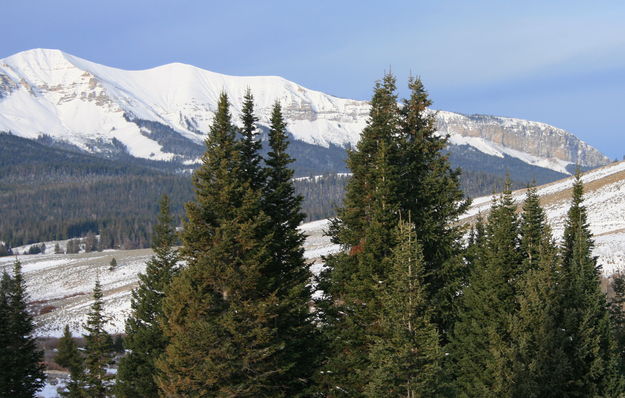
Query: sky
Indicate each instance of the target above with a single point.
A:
(559, 62)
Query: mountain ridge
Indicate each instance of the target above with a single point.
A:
(50, 92)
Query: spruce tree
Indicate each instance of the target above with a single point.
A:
(222, 310)
(21, 374)
(145, 340)
(406, 356)
(617, 318)
(398, 167)
(364, 226)
(250, 144)
(289, 273)
(585, 317)
(5, 334)
(539, 360)
(480, 351)
(70, 358)
(98, 353)
(429, 190)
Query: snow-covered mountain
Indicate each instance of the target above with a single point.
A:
(157, 113)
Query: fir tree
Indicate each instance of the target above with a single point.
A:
(585, 317)
(144, 337)
(221, 313)
(405, 357)
(97, 348)
(22, 367)
(70, 358)
(617, 317)
(113, 264)
(481, 351)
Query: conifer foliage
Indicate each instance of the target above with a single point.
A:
(70, 358)
(21, 370)
(145, 340)
(585, 320)
(399, 168)
(406, 358)
(230, 313)
(98, 355)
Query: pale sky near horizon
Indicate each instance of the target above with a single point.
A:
(559, 62)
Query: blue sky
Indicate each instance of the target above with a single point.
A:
(560, 62)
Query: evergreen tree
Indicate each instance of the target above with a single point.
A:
(5, 334)
(250, 144)
(113, 264)
(617, 317)
(398, 168)
(70, 358)
(405, 357)
(21, 374)
(590, 346)
(221, 314)
(429, 190)
(97, 349)
(350, 307)
(289, 274)
(144, 336)
(481, 351)
(539, 360)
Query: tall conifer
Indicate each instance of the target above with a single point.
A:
(144, 336)
(430, 191)
(98, 353)
(481, 351)
(585, 314)
(364, 226)
(398, 168)
(21, 373)
(223, 312)
(289, 272)
(406, 356)
(70, 358)
(539, 360)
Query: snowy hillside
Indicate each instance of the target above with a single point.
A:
(605, 200)
(95, 107)
(61, 284)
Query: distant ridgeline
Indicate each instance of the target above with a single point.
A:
(51, 190)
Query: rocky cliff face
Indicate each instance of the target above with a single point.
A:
(534, 138)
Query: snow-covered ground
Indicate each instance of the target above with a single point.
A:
(605, 201)
(60, 285)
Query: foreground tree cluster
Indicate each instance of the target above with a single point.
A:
(413, 306)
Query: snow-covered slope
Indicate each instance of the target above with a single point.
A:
(90, 105)
(61, 284)
(605, 200)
